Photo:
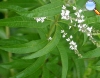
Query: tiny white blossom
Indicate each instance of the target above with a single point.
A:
(68, 39)
(50, 38)
(64, 7)
(71, 36)
(64, 35)
(73, 45)
(82, 16)
(65, 13)
(40, 19)
(80, 11)
(80, 20)
(62, 31)
(70, 27)
(89, 29)
(78, 15)
(71, 21)
(74, 8)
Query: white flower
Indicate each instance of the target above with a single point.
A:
(50, 38)
(80, 20)
(75, 25)
(71, 21)
(78, 15)
(82, 16)
(89, 29)
(40, 19)
(70, 27)
(68, 39)
(65, 13)
(80, 11)
(71, 36)
(64, 7)
(62, 31)
(73, 45)
(74, 8)
(64, 35)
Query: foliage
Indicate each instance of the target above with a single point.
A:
(33, 40)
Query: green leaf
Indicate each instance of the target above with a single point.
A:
(45, 72)
(17, 64)
(31, 46)
(64, 59)
(97, 4)
(9, 42)
(53, 43)
(85, 39)
(81, 3)
(32, 68)
(2, 34)
(55, 69)
(43, 11)
(22, 3)
(23, 22)
(80, 67)
(54, 1)
(37, 74)
(92, 54)
(94, 19)
(96, 67)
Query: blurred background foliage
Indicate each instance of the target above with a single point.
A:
(25, 51)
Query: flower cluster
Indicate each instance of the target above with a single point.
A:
(65, 13)
(73, 45)
(85, 29)
(80, 20)
(40, 19)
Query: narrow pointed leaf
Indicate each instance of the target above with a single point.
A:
(43, 11)
(17, 64)
(31, 46)
(53, 43)
(22, 22)
(22, 3)
(92, 54)
(32, 68)
(64, 59)
(94, 19)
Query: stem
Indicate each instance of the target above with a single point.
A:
(8, 35)
(53, 26)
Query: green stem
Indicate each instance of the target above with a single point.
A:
(8, 35)
(53, 26)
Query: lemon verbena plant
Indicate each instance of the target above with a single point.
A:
(49, 39)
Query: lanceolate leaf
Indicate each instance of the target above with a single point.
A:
(64, 59)
(22, 22)
(45, 72)
(53, 43)
(55, 69)
(32, 68)
(92, 54)
(94, 19)
(17, 64)
(23, 3)
(31, 46)
(43, 11)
